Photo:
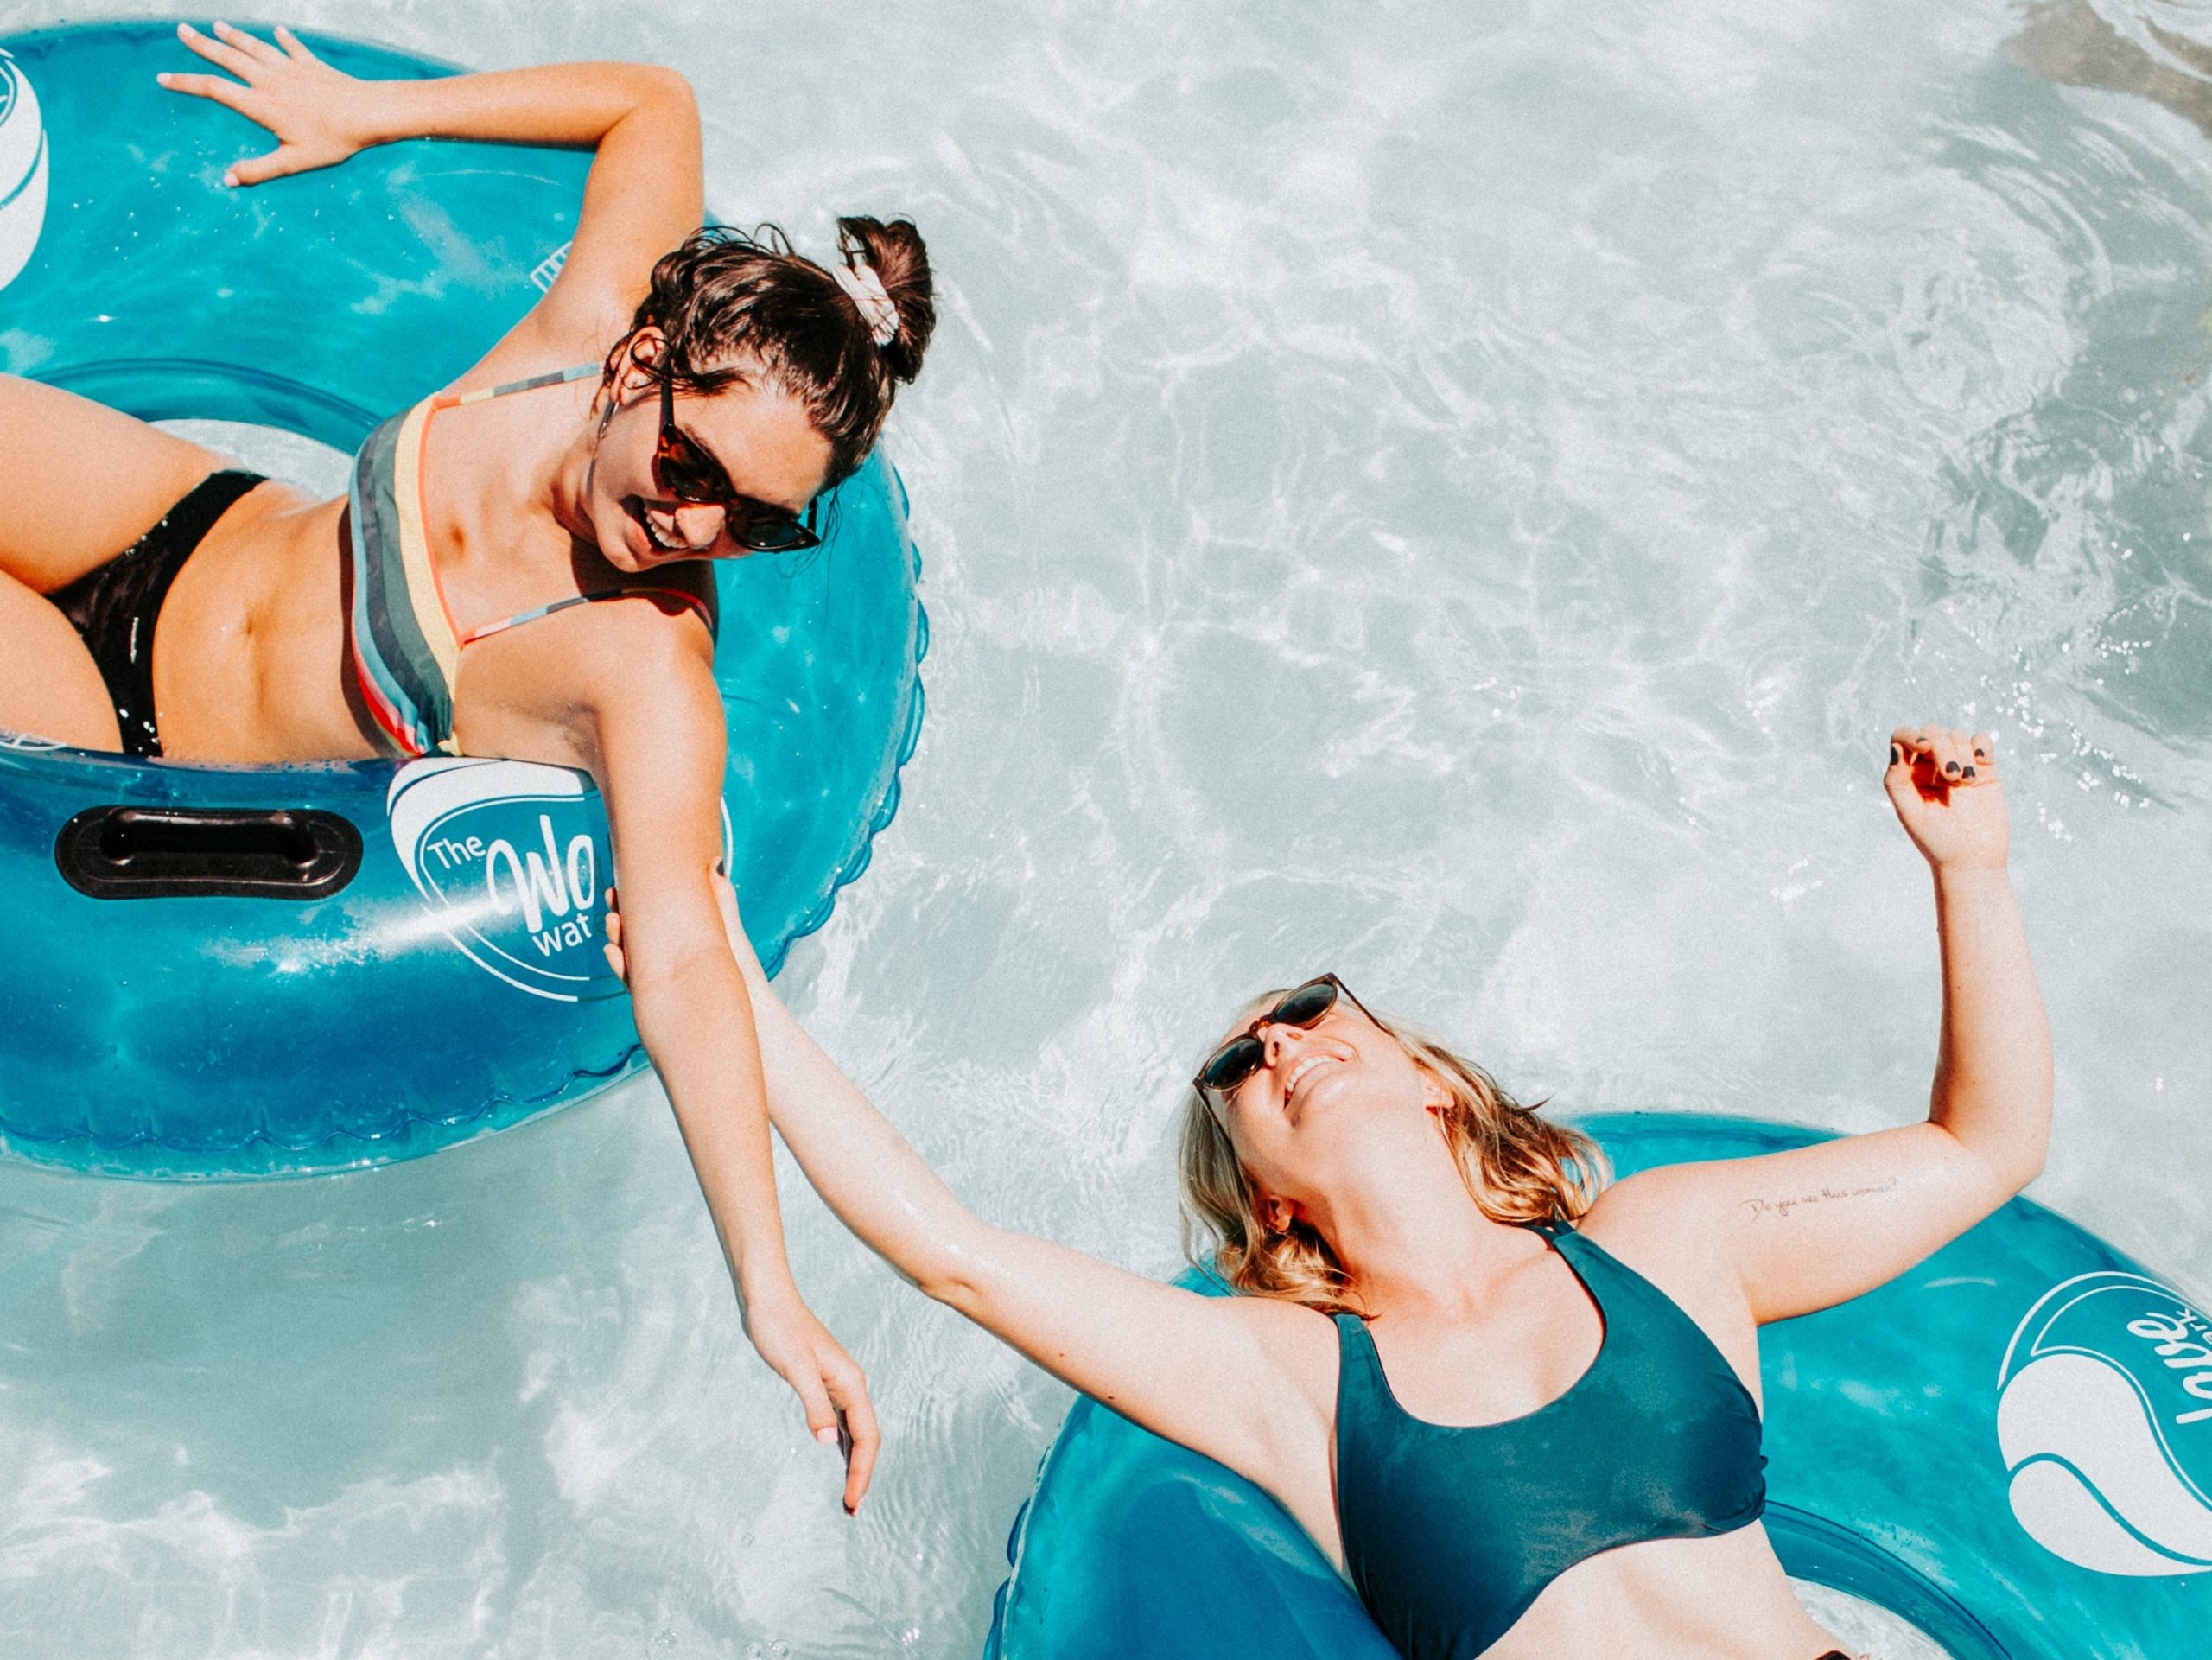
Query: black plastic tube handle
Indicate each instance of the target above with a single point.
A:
(145, 853)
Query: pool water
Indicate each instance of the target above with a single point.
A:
(1455, 496)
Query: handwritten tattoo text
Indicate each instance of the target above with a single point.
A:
(1762, 1208)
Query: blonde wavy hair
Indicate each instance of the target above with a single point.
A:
(1519, 1167)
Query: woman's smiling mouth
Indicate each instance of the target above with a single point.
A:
(1298, 1074)
(654, 539)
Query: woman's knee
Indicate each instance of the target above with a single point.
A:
(79, 482)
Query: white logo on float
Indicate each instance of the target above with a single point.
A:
(511, 858)
(2105, 1421)
(22, 170)
(508, 856)
(561, 879)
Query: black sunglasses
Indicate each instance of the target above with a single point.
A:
(1227, 1067)
(690, 474)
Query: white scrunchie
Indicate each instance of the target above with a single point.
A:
(877, 308)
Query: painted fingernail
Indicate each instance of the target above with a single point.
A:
(1968, 773)
(1952, 767)
(1894, 756)
(827, 1437)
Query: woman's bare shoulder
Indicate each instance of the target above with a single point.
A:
(1659, 1222)
(640, 671)
(538, 345)
(641, 666)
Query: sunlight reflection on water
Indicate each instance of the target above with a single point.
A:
(1459, 501)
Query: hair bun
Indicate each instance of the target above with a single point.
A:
(736, 305)
(901, 263)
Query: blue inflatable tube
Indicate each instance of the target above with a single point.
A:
(2010, 1447)
(260, 972)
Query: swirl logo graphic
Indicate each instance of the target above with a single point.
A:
(2105, 1421)
(22, 170)
(512, 859)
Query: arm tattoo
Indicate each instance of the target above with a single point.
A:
(1762, 1208)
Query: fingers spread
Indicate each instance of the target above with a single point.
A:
(252, 46)
(293, 49)
(225, 92)
(259, 169)
(220, 54)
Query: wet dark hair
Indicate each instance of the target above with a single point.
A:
(741, 306)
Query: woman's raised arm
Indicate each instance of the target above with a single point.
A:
(643, 198)
(1820, 1224)
(1204, 1372)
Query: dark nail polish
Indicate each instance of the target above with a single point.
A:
(1968, 773)
(1894, 757)
(1952, 767)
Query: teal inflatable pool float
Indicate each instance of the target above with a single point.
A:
(247, 972)
(2010, 1447)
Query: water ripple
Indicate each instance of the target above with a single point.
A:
(1457, 499)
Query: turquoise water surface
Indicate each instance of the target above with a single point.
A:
(1455, 495)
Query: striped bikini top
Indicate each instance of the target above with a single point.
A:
(404, 646)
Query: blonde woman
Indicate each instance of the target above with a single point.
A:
(1517, 1407)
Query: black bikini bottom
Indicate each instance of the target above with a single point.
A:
(114, 608)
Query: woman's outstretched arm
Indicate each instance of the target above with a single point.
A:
(643, 195)
(1204, 1372)
(1817, 1225)
(657, 753)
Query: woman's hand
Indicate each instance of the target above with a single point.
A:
(319, 115)
(641, 198)
(1943, 784)
(828, 1382)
